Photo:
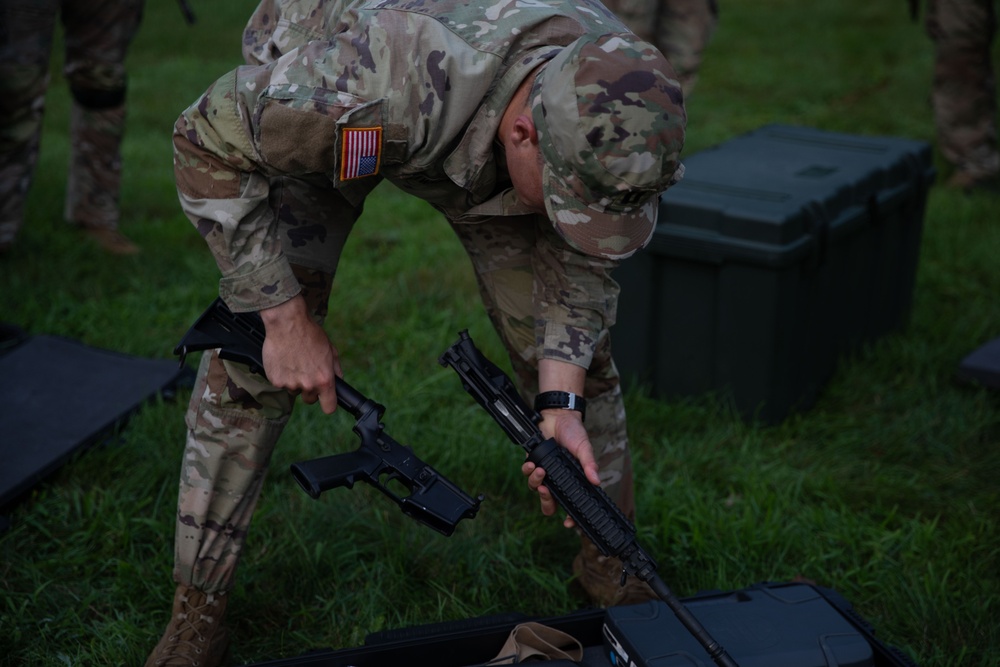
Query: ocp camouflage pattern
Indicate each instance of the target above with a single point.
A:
(680, 29)
(96, 37)
(438, 102)
(963, 91)
(258, 162)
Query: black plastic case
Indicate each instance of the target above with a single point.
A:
(779, 251)
(768, 624)
(792, 626)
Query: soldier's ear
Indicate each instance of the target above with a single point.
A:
(523, 131)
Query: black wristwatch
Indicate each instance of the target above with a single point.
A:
(561, 399)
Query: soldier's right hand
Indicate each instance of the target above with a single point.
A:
(298, 355)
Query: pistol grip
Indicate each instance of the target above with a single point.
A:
(329, 472)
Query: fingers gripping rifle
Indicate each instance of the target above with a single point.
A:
(433, 500)
(588, 505)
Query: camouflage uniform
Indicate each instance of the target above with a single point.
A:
(426, 85)
(97, 36)
(964, 92)
(681, 29)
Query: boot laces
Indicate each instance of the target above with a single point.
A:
(193, 627)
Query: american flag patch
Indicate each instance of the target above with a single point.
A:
(361, 150)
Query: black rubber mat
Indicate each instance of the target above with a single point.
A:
(982, 366)
(59, 396)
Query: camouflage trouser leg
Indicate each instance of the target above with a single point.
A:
(501, 257)
(964, 84)
(98, 35)
(235, 417)
(639, 16)
(26, 30)
(94, 184)
(234, 420)
(680, 29)
(683, 30)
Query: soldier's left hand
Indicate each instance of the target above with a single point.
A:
(566, 426)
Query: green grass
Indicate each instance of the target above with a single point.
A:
(885, 490)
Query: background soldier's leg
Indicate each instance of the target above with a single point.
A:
(94, 184)
(26, 29)
(964, 88)
(638, 15)
(683, 31)
(98, 35)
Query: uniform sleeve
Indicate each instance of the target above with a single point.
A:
(253, 126)
(575, 299)
(223, 189)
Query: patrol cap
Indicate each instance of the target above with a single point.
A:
(610, 117)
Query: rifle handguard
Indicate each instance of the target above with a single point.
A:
(591, 508)
(588, 505)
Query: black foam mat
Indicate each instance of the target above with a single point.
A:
(982, 365)
(59, 396)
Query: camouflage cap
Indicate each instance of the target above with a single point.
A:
(610, 118)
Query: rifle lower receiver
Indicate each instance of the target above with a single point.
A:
(380, 461)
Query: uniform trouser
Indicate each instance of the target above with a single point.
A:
(964, 94)
(97, 36)
(235, 418)
(680, 29)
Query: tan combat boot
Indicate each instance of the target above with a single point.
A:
(601, 578)
(195, 636)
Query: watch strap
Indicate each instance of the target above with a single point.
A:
(564, 400)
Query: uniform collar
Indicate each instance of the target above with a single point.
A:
(503, 203)
(472, 165)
